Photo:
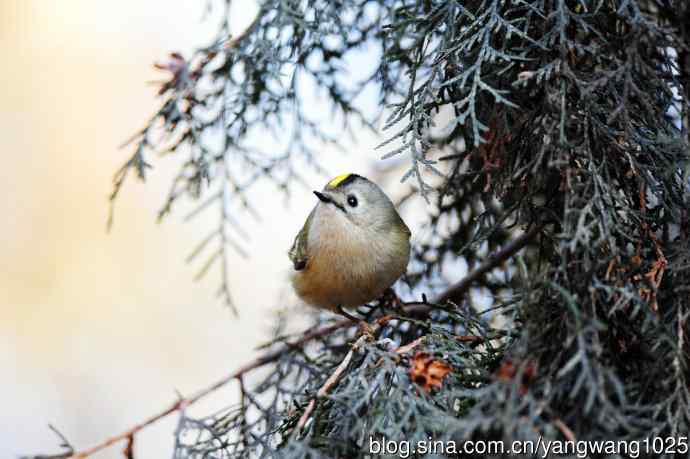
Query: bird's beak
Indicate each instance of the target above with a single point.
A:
(323, 197)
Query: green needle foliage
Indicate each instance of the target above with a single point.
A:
(568, 116)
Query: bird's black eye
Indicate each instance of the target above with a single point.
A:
(352, 201)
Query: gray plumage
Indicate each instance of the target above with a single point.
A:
(352, 247)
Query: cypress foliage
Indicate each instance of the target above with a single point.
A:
(561, 127)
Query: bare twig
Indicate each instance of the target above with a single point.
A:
(462, 286)
(184, 402)
(565, 430)
(331, 381)
(409, 346)
(129, 448)
(65, 444)
(468, 339)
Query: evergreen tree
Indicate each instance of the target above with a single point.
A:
(557, 170)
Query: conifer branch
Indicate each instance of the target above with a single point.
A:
(413, 308)
(492, 262)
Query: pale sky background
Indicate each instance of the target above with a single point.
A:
(98, 330)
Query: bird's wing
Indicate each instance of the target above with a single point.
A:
(401, 225)
(298, 251)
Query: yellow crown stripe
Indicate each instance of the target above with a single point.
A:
(338, 180)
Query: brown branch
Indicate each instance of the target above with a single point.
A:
(412, 308)
(469, 339)
(565, 430)
(129, 448)
(184, 402)
(65, 444)
(409, 346)
(462, 286)
(331, 381)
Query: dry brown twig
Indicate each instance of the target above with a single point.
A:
(455, 291)
(184, 402)
(510, 249)
(409, 346)
(368, 333)
(331, 381)
(565, 430)
(65, 444)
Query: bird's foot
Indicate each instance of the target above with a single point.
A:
(365, 329)
(346, 314)
(390, 300)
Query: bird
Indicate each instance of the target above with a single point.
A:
(351, 249)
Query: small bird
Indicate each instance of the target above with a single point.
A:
(352, 247)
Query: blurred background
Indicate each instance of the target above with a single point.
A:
(98, 330)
